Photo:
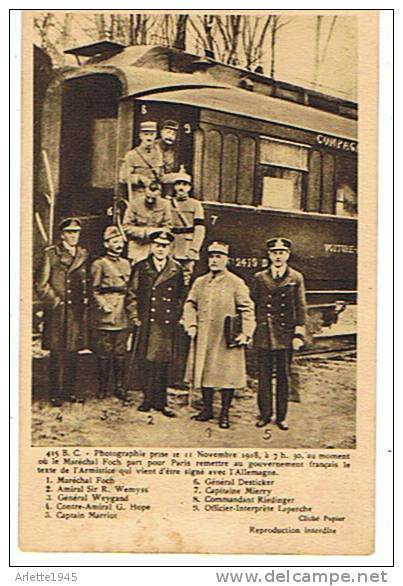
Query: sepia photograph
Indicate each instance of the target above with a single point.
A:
(194, 229)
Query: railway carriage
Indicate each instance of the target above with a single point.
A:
(267, 158)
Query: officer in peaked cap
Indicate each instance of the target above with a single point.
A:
(154, 302)
(167, 143)
(144, 163)
(110, 276)
(188, 223)
(279, 295)
(61, 283)
(214, 365)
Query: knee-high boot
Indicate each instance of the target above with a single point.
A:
(207, 411)
(226, 400)
(119, 369)
(103, 374)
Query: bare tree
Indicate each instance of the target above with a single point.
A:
(254, 32)
(277, 22)
(319, 57)
(181, 28)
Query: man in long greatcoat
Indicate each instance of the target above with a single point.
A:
(213, 297)
(62, 286)
(279, 295)
(154, 301)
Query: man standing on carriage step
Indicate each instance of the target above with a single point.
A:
(62, 286)
(279, 295)
(110, 276)
(217, 365)
(189, 230)
(154, 301)
(142, 217)
(143, 164)
(167, 145)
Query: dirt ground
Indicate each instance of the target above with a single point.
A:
(324, 417)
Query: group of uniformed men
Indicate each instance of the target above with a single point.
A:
(151, 294)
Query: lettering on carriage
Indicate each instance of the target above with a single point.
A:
(340, 248)
(337, 143)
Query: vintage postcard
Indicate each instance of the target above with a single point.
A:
(198, 281)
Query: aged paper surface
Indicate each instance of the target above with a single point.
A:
(266, 111)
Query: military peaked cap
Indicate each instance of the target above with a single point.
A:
(72, 224)
(172, 124)
(218, 247)
(148, 126)
(162, 237)
(112, 232)
(279, 244)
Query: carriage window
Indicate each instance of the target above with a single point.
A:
(282, 169)
(346, 186)
(103, 155)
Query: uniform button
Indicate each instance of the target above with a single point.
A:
(283, 305)
(152, 298)
(268, 305)
(152, 320)
(168, 311)
(153, 309)
(69, 302)
(282, 294)
(68, 290)
(168, 299)
(167, 321)
(153, 288)
(169, 288)
(281, 314)
(282, 323)
(62, 303)
(269, 315)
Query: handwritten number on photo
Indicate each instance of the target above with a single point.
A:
(267, 434)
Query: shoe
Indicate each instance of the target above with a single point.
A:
(204, 415)
(180, 386)
(282, 425)
(74, 399)
(120, 394)
(144, 408)
(262, 422)
(56, 402)
(224, 422)
(167, 412)
(101, 395)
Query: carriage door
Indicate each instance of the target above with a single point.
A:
(89, 142)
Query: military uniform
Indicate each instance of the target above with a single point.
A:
(140, 220)
(188, 227)
(139, 164)
(110, 276)
(62, 286)
(155, 298)
(280, 308)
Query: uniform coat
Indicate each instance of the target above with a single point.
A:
(110, 276)
(62, 286)
(139, 220)
(139, 163)
(280, 307)
(156, 299)
(209, 301)
(188, 227)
